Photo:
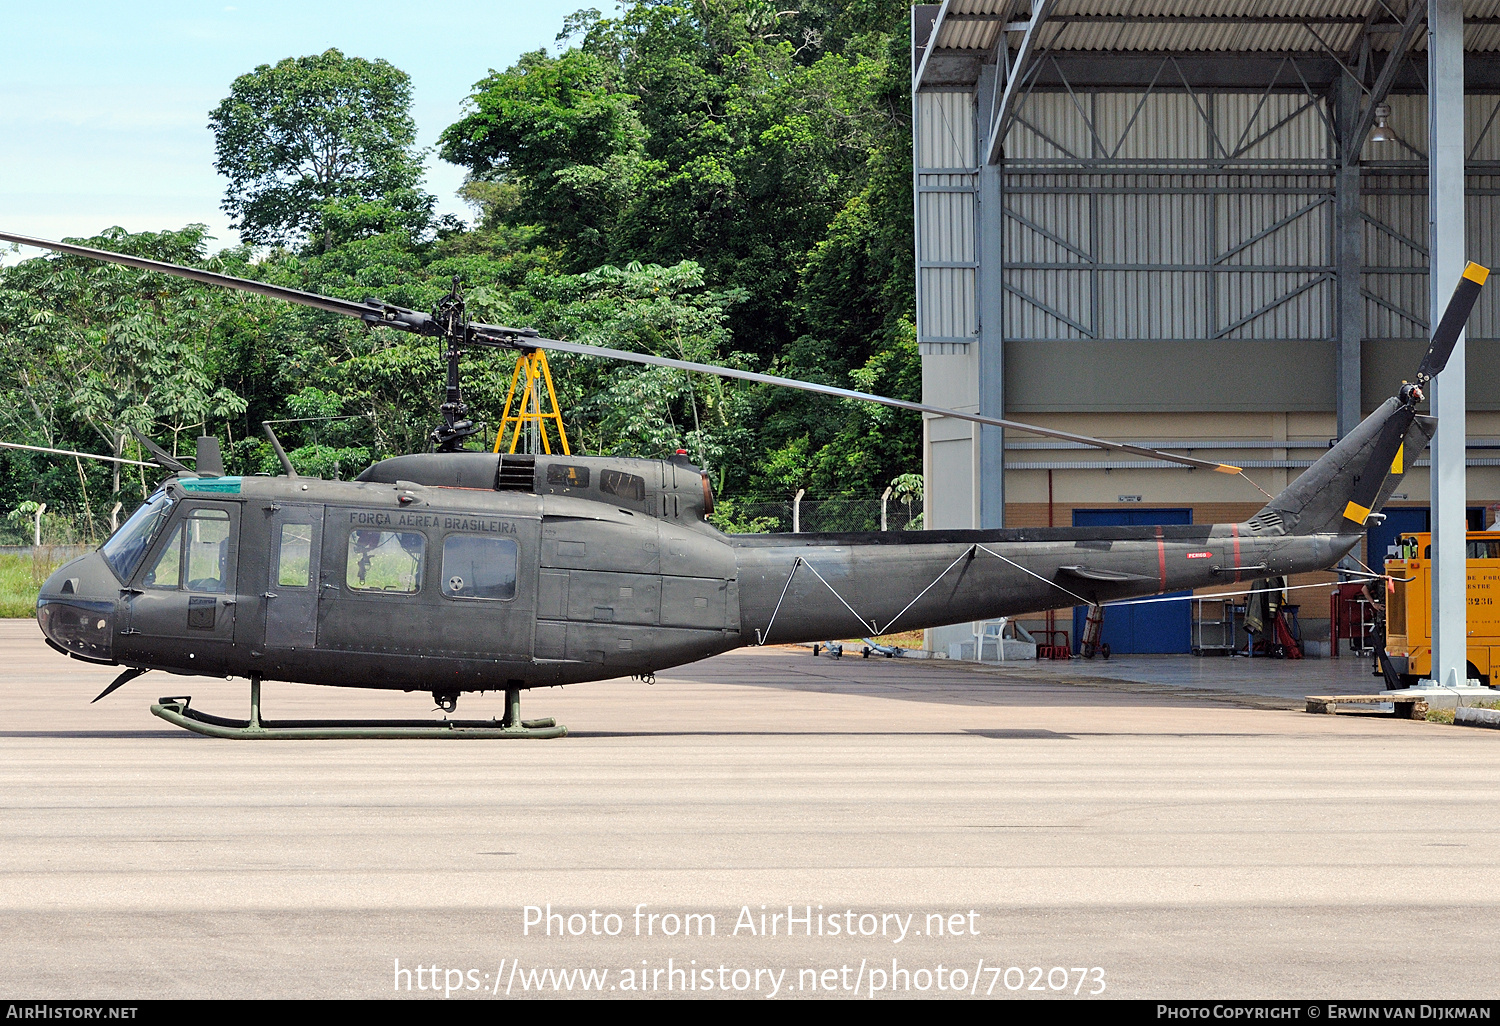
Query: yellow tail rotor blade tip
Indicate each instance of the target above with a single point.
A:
(1225, 468)
(1476, 273)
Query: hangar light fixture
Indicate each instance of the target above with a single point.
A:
(1382, 133)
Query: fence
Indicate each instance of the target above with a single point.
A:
(859, 513)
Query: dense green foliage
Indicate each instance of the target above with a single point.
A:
(315, 146)
(720, 180)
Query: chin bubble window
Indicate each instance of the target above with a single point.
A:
(388, 561)
(475, 567)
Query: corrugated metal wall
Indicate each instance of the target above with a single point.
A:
(1163, 217)
(1395, 208)
(947, 199)
(1101, 252)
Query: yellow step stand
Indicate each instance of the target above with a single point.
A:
(532, 375)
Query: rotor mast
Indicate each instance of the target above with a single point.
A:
(451, 317)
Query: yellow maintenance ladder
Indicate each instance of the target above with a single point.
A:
(531, 368)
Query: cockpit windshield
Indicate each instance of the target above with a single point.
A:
(128, 545)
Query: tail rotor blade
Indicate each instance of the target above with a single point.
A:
(1454, 318)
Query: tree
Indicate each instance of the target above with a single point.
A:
(770, 148)
(716, 180)
(91, 350)
(316, 144)
(558, 132)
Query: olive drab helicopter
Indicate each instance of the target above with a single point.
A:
(452, 570)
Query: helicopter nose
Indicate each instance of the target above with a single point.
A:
(77, 608)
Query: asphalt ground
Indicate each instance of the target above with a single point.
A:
(1031, 826)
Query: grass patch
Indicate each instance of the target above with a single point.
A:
(1446, 715)
(22, 576)
(905, 639)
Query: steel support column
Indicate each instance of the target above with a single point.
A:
(990, 282)
(1445, 205)
(1349, 259)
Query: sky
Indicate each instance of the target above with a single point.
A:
(104, 105)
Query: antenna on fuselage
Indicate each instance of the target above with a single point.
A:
(286, 463)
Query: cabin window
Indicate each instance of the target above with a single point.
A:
(167, 573)
(626, 486)
(568, 476)
(477, 567)
(197, 551)
(1485, 548)
(294, 561)
(389, 561)
(207, 544)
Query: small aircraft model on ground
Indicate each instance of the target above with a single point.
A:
(455, 571)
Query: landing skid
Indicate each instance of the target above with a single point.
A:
(177, 712)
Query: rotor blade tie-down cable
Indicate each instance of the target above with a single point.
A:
(873, 625)
(1257, 487)
(966, 554)
(862, 621)
(1038, 576)
(1215, 595)
(760, 639)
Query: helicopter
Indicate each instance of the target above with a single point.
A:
(457, 571)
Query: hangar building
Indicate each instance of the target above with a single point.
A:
(1195, 224)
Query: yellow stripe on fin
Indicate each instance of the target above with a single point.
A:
(1476, 273)
(1396, 463)
(1355, 512)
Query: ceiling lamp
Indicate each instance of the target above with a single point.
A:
(1382, 133)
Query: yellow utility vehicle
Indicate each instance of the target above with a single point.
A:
(1408, 618)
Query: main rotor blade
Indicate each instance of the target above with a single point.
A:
(372, 312)
(1454, 318)
(846, 393)
(70, 452)
(342, 306)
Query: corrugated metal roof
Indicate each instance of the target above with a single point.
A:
(1277, 26)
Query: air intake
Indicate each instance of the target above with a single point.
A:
(1265, 520)
(516, 473)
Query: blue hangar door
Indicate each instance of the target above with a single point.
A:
(1153, 628)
